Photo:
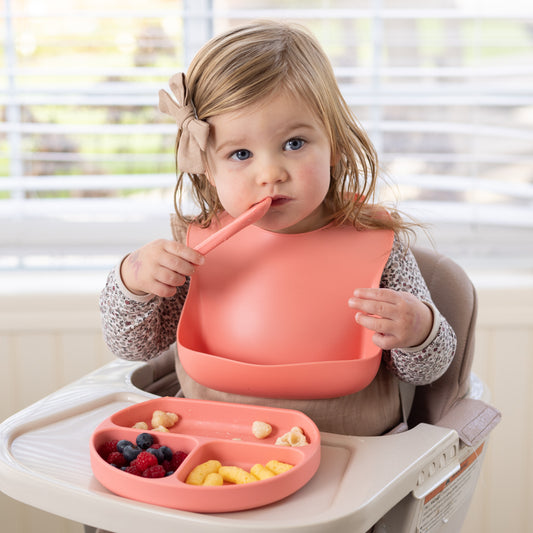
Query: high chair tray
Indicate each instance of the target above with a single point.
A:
(209, 431)
(45, 462)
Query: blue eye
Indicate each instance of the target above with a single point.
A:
(241, 155)
(294, 144)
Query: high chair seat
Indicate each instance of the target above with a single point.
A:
(443, 402)
(454, 295)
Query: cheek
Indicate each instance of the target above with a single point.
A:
(316, 176)
(233, 198)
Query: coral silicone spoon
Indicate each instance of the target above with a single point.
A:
(250, 216)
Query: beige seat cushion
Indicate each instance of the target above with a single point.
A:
(455, 297)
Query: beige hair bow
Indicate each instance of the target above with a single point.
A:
(194, 132)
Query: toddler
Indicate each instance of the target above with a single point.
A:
(259, 115)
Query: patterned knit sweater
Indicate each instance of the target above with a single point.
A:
(141, 327)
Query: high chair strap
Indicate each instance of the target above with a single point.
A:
(407, 394)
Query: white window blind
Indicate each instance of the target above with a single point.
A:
(444, 87)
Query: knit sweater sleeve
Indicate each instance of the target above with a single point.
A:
(135, 327)
(426, 363)
(138, 328)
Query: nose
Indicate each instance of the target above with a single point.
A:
(272, 173)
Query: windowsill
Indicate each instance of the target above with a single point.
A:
(64, 282)
(501, 278)
(52, 282)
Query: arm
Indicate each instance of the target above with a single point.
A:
(419, 343)
(138, 327)
(142, 300)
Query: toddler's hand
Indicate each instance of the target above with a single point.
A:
(399, 319)
(159, 267)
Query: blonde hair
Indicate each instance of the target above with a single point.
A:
(244, 65)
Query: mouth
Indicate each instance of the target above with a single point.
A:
(279, 200)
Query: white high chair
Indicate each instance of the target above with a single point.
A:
(415, 481)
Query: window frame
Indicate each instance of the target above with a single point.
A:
(31, 229)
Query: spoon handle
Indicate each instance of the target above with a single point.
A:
(250, 216)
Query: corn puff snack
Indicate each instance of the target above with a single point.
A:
(278, 467)
(161, 421)
(213, 480)
(261, 430)
(160, 418)
(235, 474)
(261, 472)
(200, 472)
(294, 437)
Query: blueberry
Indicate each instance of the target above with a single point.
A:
(121, 444)
(131, 452)
(144, 440)
(157, 453)
(169, 473)
(167, 453)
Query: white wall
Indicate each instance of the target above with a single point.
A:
(504, 360)
(47, 341)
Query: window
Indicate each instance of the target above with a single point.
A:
(444, 88)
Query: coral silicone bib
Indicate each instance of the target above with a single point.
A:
(270, 299)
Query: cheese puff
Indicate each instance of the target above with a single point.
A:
(213, 480)
(162, 429)
(160, 418)
(261, 430)
(235, 474)
(278, 467)
(140, 425)
(261, 472)
(294, 437)
(198, 474)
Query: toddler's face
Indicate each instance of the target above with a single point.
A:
(275, 148)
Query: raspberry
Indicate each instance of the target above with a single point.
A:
(154, 471)
(155, 461)
(107, 447)
(132, 470)
(144, 460)
(116, 458)
(177, 458)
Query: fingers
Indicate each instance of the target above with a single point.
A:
(159, 267)
(385, 336)
(399, 319)
(385, 342)
(174, 265)
(185, 253)
(375, 312)
(177, 262)
(379, 302)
